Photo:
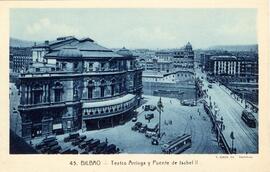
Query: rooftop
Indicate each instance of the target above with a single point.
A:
(83, 48)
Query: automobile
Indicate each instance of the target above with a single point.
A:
(82, 137)
(143, 128)
(146, 107)
(92, 145)
(66, 139)
(110, 149)
(49, 139)
(55, 149)
(82, 145)
(71, 137)
(149, 116)
(88, 141)
(210, 86)
(136, 126)
(150, 134)
(51, 144)
(40, 145)
(153, 127)
(134, 119)
(74, 135)
(188, 103)
(152, 107)
(76, 142)
(44, 149)
(100, 148)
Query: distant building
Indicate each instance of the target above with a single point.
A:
(170, 70)
(231, 68)
(77, 84)
(20, 59)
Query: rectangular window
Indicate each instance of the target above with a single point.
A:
(68, 124)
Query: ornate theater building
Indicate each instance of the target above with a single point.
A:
(77, 84)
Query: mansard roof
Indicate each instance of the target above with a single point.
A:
(84, 48)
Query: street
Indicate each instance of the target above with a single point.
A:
(246, 138)
(133, 142)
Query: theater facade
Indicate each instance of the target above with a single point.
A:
(76, 85)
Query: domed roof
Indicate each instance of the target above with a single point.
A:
(69, 52)
(188, 45)
(125, 52)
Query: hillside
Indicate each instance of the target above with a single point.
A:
(253, 47)
(20, 43)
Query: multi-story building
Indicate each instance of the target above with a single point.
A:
(84, 86)
(171, 70)
(231, 68)
(184, 58)
(20, 58)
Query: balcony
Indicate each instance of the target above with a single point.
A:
(40, 106)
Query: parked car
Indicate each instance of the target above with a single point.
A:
(49, 139)
(188, 103)
(55, 149)
(92, 145)
(82, 145)
(152, 107)
(51, 144)
(146, 107)
(143, 128)
(149, 116)
(71, 137)
(76, 142)
(88, 141)
(66, 139)
(150, 134)
(210, 86)
(40, 145)
(100, 148)
(136, 126)
(82, 137)
(153, 127)
(110, 149)
(134, 119)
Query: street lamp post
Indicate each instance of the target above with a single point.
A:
(159, 108)
(232, 137)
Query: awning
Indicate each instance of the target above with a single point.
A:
(116, 101)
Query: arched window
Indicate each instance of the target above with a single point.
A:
(57, 91)
(91, 87)
(112, 87)
(37, 93)
(102, 88)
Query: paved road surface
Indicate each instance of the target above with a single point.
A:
(246, 138)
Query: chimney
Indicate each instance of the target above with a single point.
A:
(46, 42)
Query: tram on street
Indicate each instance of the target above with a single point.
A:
(177, 145)
(249, 118)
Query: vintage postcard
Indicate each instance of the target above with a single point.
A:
(123, 85)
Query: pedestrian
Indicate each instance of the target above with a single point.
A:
(106, 140)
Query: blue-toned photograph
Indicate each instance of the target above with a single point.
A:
(133, 81)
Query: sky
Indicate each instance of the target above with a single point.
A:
(138, 28)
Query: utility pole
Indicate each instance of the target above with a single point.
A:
(159, 108)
